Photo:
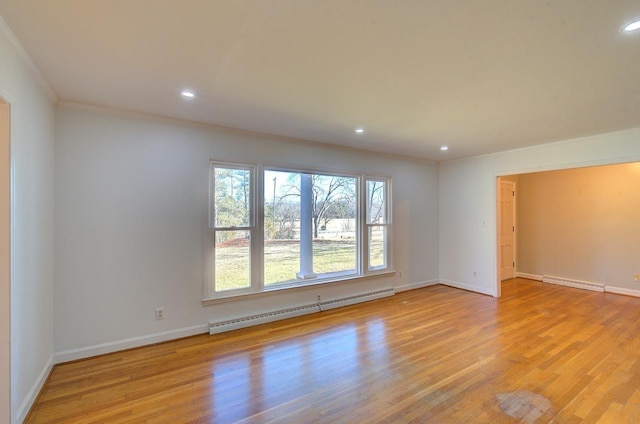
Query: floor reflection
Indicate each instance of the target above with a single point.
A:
(261, 378)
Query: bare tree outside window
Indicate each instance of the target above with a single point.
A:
(333, 215)
(255, 248)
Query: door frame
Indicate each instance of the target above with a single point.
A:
(514, 186)
(498, 216)
(6, 286)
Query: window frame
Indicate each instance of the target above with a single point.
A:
(386, 225)
(329, 276)
(256, 230)
(251, 228)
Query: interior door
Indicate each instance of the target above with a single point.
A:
(507, 230)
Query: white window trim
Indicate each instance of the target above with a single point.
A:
(304, 286)
(252, 228)
(256, 229)
(387, 224)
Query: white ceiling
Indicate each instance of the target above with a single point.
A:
(479, 76)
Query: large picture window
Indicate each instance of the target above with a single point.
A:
(310, 228)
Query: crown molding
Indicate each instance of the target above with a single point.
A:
(9, 37)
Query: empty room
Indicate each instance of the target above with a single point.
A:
(319, 212)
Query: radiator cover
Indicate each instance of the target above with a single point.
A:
(248, 321)
(578, 284)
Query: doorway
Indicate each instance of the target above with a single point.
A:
(5, 263)
(507, 229)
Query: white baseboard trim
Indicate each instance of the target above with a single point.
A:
(620, 290)
(469, 287)
(418, 285)
(33, 393)
(529, 276)
(101, 349)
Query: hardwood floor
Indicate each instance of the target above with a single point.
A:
(540, 353)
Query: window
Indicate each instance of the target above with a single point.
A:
(308, 228)
(377, 223)
(232, 226)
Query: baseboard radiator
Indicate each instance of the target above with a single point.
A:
(234, 324)
(585, 285)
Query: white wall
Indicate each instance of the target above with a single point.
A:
(467, 199)
(32, 135)
(131, 223)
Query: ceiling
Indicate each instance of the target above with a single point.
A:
(478, 76)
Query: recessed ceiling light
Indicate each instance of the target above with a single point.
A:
(359, 130)
(444, 148)
(188, 94)
(632, 26)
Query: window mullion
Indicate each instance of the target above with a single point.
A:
(364, 228)
(257, 239)
(306, 228)
(210, 287)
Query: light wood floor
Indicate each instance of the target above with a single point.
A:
(541, 353)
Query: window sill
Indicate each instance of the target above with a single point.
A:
(288, 288)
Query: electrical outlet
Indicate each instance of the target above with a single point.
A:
(159, 313)
(318, 298)
(475, 273)
(400, 272)
(636, 278)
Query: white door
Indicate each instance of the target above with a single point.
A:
(507, 230)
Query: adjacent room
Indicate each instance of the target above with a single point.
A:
(579, 226)
(292, 212)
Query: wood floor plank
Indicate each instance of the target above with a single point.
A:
(540, 353)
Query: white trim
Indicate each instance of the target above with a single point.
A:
(514, 215)
(102, 348)
(469, 287)
(623, 291)
(11, 378)
(417, 285)
(279, 289)
(529, 276)
(33, 393)
(7, 34)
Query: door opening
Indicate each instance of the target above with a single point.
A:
(507, 229)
